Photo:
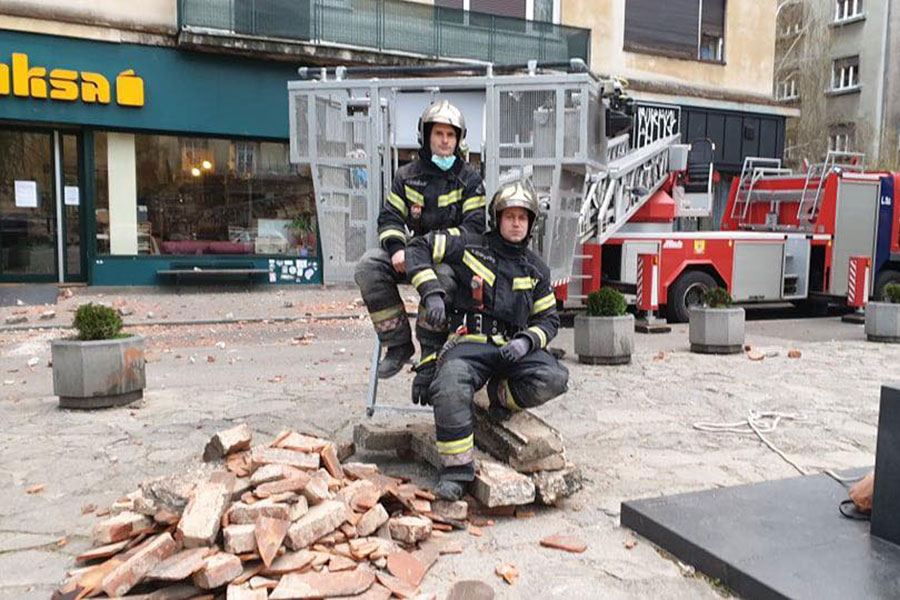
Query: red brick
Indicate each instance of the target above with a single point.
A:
(281, 456)
(239, 539)
(409, 529)
(242, 513)
(228, 441)
(202, 518)
(269, 536)
(244, 592)
(219, 569)
(295, 484)
(132, 571)
(330, 458)
(321, 520)
(563, 542)
(181, 565)
(323, 585)
(120, 527)
(371, 521)
(292, 561)
(406, 567)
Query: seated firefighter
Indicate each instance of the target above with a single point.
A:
(437, 191)
(504, 315)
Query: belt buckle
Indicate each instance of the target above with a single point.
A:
(479, 322)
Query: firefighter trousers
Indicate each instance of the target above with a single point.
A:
(378, 281)
(464, 369)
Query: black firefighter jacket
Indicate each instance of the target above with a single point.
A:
(515, 282)
(424, 198)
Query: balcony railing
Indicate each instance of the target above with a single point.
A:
(390, 26)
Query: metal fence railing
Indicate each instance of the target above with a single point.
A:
(391, 25)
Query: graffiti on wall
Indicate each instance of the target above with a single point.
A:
(654, 122)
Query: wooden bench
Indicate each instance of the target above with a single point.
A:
(220, 272)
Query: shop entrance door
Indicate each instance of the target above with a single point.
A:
(40, 206)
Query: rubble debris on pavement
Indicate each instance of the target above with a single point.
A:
(530, 463)
(274, 521)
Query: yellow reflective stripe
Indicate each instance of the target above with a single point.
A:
(457, 446)
(454, 231)
(398, 203)
(414, 196)
(440, 246)
(523, 283)
(473, 203)
(542, 304)
(478, 267)
(387, 313)
(423, 276)
(450, 198)
(427, 359)
(388, 233)
(510, 401)
(540, 333)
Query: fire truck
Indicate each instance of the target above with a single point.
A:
(784, 236)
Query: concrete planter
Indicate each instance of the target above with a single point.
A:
(98, 374)
(883, 322)
(717, 330)
(604, 340)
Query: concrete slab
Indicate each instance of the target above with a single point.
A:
(777, 539)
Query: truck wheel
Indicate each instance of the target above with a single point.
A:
(884, 278)
(686, 293)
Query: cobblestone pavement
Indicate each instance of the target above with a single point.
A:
(629, 427)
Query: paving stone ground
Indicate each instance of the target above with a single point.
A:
(629, 427)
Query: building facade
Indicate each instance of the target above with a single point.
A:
(837, 62)
(136, 144)
(139, 145)
(701, 67)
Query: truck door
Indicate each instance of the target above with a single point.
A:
(854, 228)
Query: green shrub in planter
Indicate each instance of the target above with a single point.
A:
(606, 302)
(97, 322)
(892, 293)
(716, 298)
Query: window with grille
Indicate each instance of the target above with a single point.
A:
(847, 9)
(691, 29)
(841, 139)
(845, 73)
(787, 88)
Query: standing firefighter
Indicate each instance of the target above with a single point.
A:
(504, 315)
(437, 191)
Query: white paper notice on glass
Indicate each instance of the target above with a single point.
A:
(26, 194)
(71, 195)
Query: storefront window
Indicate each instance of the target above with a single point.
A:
(200, 196)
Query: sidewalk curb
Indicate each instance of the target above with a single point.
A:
(38, 326)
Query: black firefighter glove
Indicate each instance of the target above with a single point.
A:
(421, 382)
(435, 312)
(515, 350)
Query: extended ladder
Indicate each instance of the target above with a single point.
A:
(613, 196)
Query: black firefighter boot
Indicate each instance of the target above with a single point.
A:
(454, 482)
(394, 359)
(497, 409)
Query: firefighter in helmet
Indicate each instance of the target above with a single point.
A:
(503, 316)
(439, 191)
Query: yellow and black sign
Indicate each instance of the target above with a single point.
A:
(25, 81)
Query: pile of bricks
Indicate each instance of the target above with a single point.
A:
(518, 461)
(279, 521)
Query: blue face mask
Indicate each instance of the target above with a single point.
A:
(443, 162)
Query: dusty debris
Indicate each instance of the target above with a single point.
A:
(297, 524)
(630, 544)
(35, 489)
(794, 353)
(508, 572)
(564, 542)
